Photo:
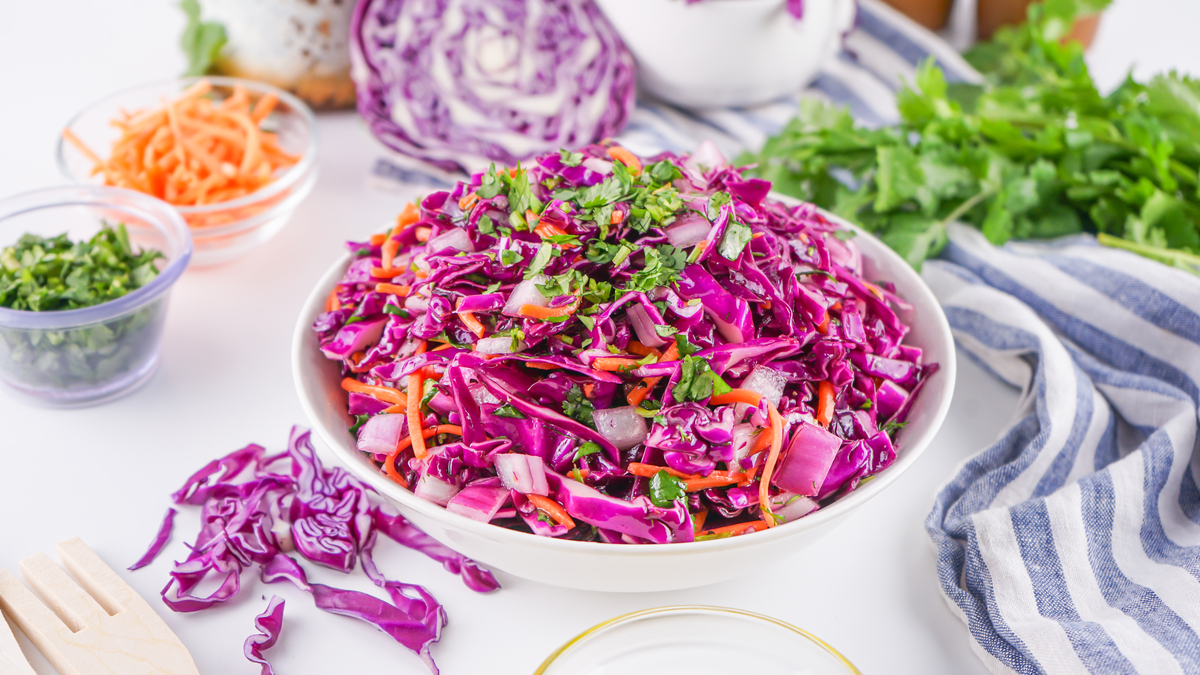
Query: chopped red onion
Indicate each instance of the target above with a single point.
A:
(807, 460)
(688, 230)
(478, 502)
(524, 473)
(526, 293)
(623, 426)
(381, 433)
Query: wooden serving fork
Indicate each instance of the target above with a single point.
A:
(12, 661)
(98, 626)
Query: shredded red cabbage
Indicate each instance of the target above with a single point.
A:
(256, 507)
(159, 543)
(269, 625)
(544, 311)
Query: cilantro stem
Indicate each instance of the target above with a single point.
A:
(965, 207)
(1187, 262)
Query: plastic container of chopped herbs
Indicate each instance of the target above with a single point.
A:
(85, 276)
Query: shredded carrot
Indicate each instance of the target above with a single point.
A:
(416, 383)
(378, 239)
(611, 363)
(547, 229)
(543, 313)
(423, 233)
(588, 388)
(825, 396)
(740, 528)
(649, 470)
(389, 467)
(439, 348)
(823, 327)
(421, 347)
(468, 201)
(640, 349)
(875, 290)
(386, 394)
(627, 158)
(193, 151)
(409, 215)
(764, 484)
(710, 481)
(642, 389)
(537, 365)
(698, 520)
(388, 253)
(578, 474)
(472, 324)
(616, 218)
(421, 274)
(380, 273)
(401, 408)
(440, 429)
(552, 509)
(761, 443)
(394, 289)
(331, 303)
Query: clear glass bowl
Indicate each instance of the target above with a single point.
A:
(225, 230)
(80, 357)
(693, 640)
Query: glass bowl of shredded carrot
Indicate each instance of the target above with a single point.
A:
(235, 157)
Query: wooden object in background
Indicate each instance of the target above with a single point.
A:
(105, 628)
(12, 660)
(995, 13)
(931, 14)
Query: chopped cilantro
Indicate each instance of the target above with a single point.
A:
(507, 410)
(736, 237)
(697, 381)
(665, 489)
(587, 448)
(578, 407)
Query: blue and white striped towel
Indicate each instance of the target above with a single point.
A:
(1072, 545)
(881, 53)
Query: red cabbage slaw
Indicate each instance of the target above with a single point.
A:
(603, 348)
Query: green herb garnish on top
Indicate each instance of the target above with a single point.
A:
(48, 274)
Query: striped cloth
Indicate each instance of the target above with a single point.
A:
(880, 54)
(1072, 545)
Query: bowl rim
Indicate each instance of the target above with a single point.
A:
(285, 181)
(155, 211)
(302, 342)
(655, 612)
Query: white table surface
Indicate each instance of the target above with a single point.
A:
(104, 473)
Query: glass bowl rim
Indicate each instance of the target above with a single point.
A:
(157, 212)
(287, 180)
(682, 609)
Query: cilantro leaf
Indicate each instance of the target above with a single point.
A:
(734, 241)
(697, 381)
(201, 40)
(665, 489)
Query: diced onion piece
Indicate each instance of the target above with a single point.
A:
(791, 507)
(623, 427)
(481, 395)
(478, 502)
(498, 345)
(767, 382)
(455, 238)
(644, 326)
(434, 489)
(381, 433)
(688, 230)
(526, 293)
(524, 473)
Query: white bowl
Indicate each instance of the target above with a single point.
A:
(598, 566)
(722, 53)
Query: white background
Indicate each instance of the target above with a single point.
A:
(104, 473)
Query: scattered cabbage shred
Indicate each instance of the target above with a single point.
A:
(462, 82)
(258, 507)
(610, 361)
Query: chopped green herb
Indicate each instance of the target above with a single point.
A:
(665, 489)
(578, 407)
(697, 381)
(587, 448)
(507, 410)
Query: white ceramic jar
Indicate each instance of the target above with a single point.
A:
(728, 53)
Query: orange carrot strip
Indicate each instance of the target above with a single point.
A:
(642, 389)
(421, 274)
(389, 467)
(543, 313)
(616, 218)
(423, 233)
(825, 395)
(740, 528)
(612, 363)
(76, 141)
(394, 289)
(698, 484)
(397, 408)
(403, 443)
(823, 327)
(468, 201)
(380, 273)
(578, 474)
(627, 158)
(375, 391)
(421, 347)
(388, 254)
(332, 304)
(408, 216)
(698, 520)
(416, 382)
(378, 239)
(649, 470)
(540, 366)
(764, 483)
(264, 107)
(472, 324)
(552, 509)
(640, 349)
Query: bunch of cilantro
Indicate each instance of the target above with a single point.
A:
(44, 274)
(1034, 152)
